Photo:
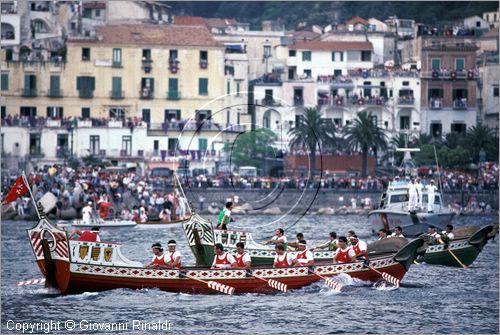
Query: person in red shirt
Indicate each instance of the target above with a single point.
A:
(282, 259)
(91, 235)
(304, 256)
(243, 259)
(158, 260)
(344, 253)
(222, 259)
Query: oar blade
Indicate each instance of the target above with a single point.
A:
(390, 279)
(220, 287)
(277, 285)
(31, 282)
(334, 284)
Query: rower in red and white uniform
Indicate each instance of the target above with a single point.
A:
(158, 260)
(282, 259)
(222, 259)
(173, 257)
(304, 257)
(344, 253)
(243, 259)
(91, 235)
(359, 247)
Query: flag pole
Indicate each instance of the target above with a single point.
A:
(31, 193)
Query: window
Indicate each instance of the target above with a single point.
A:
(117, 113)
(85, 54)
(459, 64)
(5, 82)
(86, 86)
(436, 129)
(406, 83)
(269, 95)
(267, 51)
(156, 147)
(116, 91)
(367, 91)
(126, 145)
(28, 111)
(94, 145)
(292, 53)
(404, 122)
(55, 86)
(172, 55)
(4, 112)
(333, 56)
(478, 24)
(459, 128)
(228, 87)
(117, 57)
(173, 89)
(459, 93)
(238, 89)
(62, 146)
(147, 88)
(291, 74)
(146, 115)
(35, 147)
(55, 112)
(353, 56)
(435, 92)
(203, 86)
(495, 92)
(202, 144)
(97, 13)
(203, 55)
(337, 72)
(29, 85)
(172, 115)
(308, 73)
(146, 54)
(366, 56)
(172, 143)
(337, 56)
(436, 63)
(85, 113)
(203, 114)
(87, 13)
(306, 56)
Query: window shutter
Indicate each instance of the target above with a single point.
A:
(172, 86)
(92, 83)
(5, 82)
(27, 81)
(117, 85)
(152, 81)
(54, 84)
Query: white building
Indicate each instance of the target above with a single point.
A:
(492, 18)
(11, 24)
(476, 23)
(489, 93)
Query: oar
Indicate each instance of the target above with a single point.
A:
(213, 285)
(31, 282)
(330, 282)
(453, 254)
(272, 283)
(387, 277)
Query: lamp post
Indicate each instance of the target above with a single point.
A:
(482, 159)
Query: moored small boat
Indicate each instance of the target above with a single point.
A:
(115, 223)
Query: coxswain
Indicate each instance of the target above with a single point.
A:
(331, 244)
(278, 238)
(398, 232)
(360, 247)
(87, 213)
(91, 235)
(282, 259)
(448, 232)
(222, 259)
(243, 259)
(225, 216)
(295, 245)
(304, 257)
(382, 233)
(344, 253)
(158, 260)
(173, 257)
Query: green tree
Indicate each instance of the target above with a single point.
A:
(363, 134)
(454, 158)
(249, 148)
(454, 140)
(482, 137)
(312, 133)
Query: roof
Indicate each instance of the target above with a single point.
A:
(189, 21)
(356, 20)
(149, 34)
(331, 46)
(94, 5)
(304, 34)
(220, 23)
(491, 33)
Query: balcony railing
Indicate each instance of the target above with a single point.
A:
(147, 64)
(460, 104)
(173, 65)
(116, 64)
(298, 101)
(269, 101)
(84, 94)
(196, 126)
(117, 94)
(146, 93)
(203, 64)
(53, 93)
(406, 100)
(29, 92)
(173, 95)
(451, 74)
(436, 103)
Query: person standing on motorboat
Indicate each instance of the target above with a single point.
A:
(412, 196)
(431, 195)
(87, 213)
(420, 189)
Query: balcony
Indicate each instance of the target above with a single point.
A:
(269, 101)
(298, 101)
(451, 75)
(436, 103)
(203, 64)
(147, 65)
(379, 101)
(173, 65)
(173, 95)
(116, 64)
(406, 101)
(117, 95)
(86, 94)
(146, 93)
(29, 92)
(53, 93)
(460, 104)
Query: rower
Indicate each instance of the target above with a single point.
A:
(448, 232)
(243, 259)
(304, 257)
(91, 235)
(331, 244)
(382, 233)
(222, 259)
(359, 247)
(344, 253)
(278, 238)
(158, 260)
(398, 232)
(432, 232)
(350, 233)
(173, 257)
(282, 259)
(295, 245)
(225, 216)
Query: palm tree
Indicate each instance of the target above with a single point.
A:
(312, 133)
(363, 134)
(482, 137)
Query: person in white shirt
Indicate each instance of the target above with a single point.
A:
(420, 189)
(172, 257)
(412, 196)
(222, 259)
(432, 232)
(398, 232)
(278, 238)
(87, 213)
(359, 247)
(448, 232)
(431, 195)
(304, 257)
